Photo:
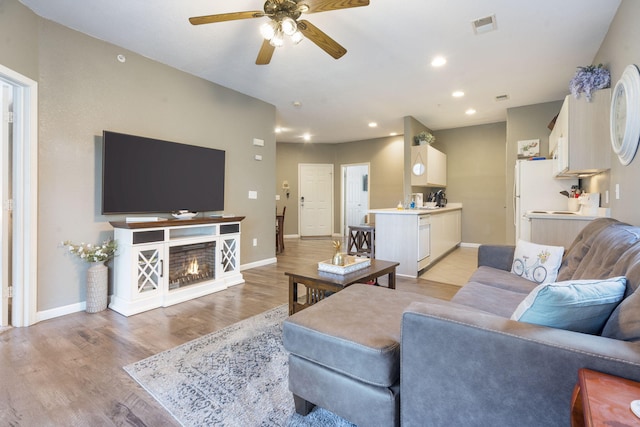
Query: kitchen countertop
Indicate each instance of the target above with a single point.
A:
(418, 211)
(602, 212)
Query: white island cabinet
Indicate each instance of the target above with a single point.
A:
(416, 238)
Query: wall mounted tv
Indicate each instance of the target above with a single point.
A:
(144, 175)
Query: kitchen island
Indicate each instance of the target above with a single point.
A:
(416, 238)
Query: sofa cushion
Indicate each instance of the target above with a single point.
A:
(604, 248)
(502, 279)
(624, 322)
(575, 305)
(355, 332)
(490, 299)
(538, 263)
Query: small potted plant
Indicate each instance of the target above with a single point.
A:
(589, 78)
(424, 137)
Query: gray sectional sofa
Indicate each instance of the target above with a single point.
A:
(387, 357)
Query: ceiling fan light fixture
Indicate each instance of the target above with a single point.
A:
(297, 37)
(277, 40)
(268, 29)
(288, 26)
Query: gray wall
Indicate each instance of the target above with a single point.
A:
(83, 89)
(386, 172)
(288, 156)
(386, 159)
(475, 159)
(476, 178)
(620, 48)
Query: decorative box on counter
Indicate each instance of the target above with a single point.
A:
(352, 264)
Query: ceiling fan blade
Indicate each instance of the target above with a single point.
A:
(265, 54)
(210, 19)
(322, 40)
(316, 6)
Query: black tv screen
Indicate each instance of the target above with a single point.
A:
(144, 175)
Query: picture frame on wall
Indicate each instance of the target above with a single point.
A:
(528, 148)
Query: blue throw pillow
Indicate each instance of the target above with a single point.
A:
(575, 305)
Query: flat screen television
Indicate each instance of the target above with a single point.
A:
(145, 175)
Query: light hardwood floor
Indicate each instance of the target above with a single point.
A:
(455, 268)
(68, 371)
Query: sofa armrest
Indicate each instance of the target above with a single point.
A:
(496, 256)
(460, 366)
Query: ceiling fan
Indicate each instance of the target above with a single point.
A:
(283, 15)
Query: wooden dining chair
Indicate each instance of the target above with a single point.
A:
(280, 230)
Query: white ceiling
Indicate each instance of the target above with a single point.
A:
(386, 73)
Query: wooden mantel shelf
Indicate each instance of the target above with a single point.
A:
(174, 222)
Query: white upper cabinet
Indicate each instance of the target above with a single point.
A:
(428, 166)
(579, 141)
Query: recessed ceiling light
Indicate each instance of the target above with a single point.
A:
(278, 130)
(458, 94)
(393, 134)
(121, 58)
(470, 112)
(306, 137)
(297, 104)
(373, 125)
(438, 61)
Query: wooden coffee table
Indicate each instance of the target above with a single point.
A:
(320, 284)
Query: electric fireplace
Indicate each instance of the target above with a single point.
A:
(191, 264)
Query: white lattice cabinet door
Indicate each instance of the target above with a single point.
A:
(139, 278)
(150, 274)
(230, 254)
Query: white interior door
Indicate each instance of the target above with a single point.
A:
(5, 95)
(355, 199)
(315, 213)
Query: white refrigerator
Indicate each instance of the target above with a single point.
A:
(537, 189)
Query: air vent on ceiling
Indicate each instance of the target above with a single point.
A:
(484, 25)
(502, 97)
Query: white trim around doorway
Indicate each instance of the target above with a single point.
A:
(25, 205)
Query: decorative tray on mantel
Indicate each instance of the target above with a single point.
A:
(352, 264)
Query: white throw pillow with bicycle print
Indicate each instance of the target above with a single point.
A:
(538, 263)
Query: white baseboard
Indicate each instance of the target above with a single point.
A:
(260, 263)
(291, 236)
(60, 311)
(470, 245)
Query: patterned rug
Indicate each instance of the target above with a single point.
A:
(233, 377)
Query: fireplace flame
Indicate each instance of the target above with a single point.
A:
(193, 267)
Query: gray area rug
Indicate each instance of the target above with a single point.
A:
(237, 376)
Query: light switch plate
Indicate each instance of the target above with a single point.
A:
(253, 194)
(258, 142)
(258, 157)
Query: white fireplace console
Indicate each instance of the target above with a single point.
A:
(163, 263)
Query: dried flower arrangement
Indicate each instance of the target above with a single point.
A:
(93, 253)
(589, 78)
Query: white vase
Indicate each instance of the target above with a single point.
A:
(97, 287)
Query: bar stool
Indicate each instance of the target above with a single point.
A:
(280, 230)
(362, 240)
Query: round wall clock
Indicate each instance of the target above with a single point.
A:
(418, 167)
(625, 115)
